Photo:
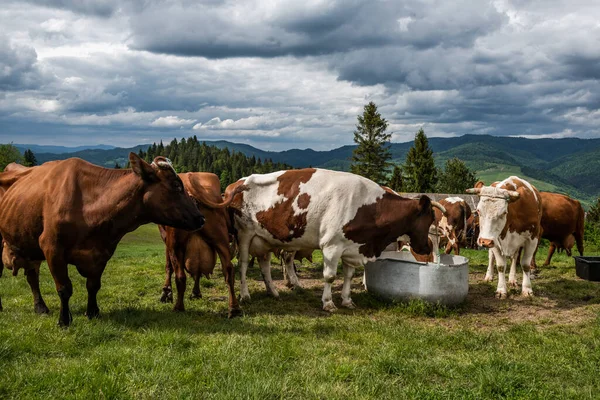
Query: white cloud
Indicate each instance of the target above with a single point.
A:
(171, 121)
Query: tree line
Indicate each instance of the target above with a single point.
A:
(419, 174)
(191, 155)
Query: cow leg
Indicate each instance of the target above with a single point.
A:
(489, 275)
(180, 279)
(196, 294)
(167, 295)
(346, 288)
(33, 279)
(243, 248)
(93, 285)
(512, 276)
(1, 269)
(331, 257)
(448, 248)
(64, 287)
(501, 291)
(265, 269)
(551, 251)
(229, 274)
(290, 272)
(528, 253)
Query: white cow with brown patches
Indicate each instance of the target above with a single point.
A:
(510, 215)
(348, 217)
(452, 224)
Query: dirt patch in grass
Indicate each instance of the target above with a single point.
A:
(560, 298)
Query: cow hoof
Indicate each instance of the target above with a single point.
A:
(235, 312)
(244, 298)
(349, 304)
(501, 295)
(179, 308)
(527, 293)
(273, 293)
(329, 306)
(41, 308)
(64, 322)
(513, 284)
(93, 313)
(195, 296)
(167, 296)
(488, 278)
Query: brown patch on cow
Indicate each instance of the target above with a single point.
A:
(525, 213)
(303, 201)
(380, 223)
(281, 220)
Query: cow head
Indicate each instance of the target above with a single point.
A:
(419, 239)
(164, 198)
(493, 211)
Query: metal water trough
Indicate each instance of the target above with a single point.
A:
(398, 276)
(587, 268)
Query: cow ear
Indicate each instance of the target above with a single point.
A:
(479, 184)
(142, 168)
(424, 203)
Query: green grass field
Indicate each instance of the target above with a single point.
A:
(544, 347)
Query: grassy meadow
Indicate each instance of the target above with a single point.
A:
(544, 347)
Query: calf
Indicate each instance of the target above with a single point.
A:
(73, 212)
(348, 217)
(453, 223)
(187, 251)
(510, 215)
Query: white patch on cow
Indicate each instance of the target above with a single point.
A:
(453, 200)
(164, 164)
(511, 181)
(492, 216)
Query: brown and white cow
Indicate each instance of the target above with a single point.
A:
(73, 212)
(348, 217)
(194, 251)
(510, 215)
(453, 222)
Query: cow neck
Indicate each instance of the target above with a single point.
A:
(118, 207)
(403, 215)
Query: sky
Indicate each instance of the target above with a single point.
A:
(295, 74)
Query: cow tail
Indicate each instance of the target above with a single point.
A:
(579, 229)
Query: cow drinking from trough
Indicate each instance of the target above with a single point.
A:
(194, 252)
(348, 217)
(510, 213)
(73, 212)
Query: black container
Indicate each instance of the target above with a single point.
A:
(588, 268)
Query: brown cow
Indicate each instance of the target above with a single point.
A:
(452, 224)
(187, 250)
(562, 223)
(73, 212)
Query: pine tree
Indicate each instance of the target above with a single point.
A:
(117, 165)
(8, 154)
(396, 182)
(370, 158)
(456, 177)
(421, 172)
(29, 159)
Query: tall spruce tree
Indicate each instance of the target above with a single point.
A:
(421, 172)
(456, 177)
(29, 159)
(370, 158)
(396, 182)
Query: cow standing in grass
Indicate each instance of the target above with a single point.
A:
(195, 251)
(348, 217)
(73, 212)
(510, 215)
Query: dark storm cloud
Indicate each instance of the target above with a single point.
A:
(104, 8)
(300, 29)
(18, 69)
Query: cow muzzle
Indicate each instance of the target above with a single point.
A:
(489, 243)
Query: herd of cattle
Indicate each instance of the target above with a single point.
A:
(73, 212)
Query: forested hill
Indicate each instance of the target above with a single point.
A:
(568, 165)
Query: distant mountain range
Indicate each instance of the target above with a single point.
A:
(36, 148)
(563, 165)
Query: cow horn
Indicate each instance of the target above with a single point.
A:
(439, 206)
(513, 195)
(473, 191)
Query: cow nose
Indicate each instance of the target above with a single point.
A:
(489, 243)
